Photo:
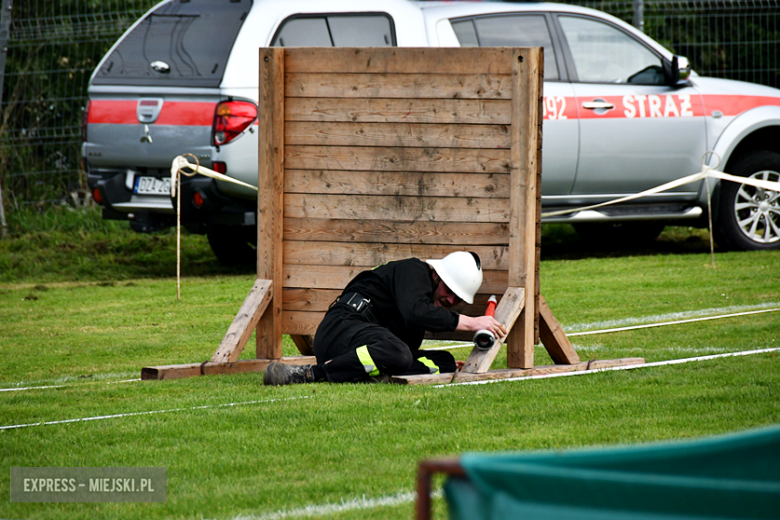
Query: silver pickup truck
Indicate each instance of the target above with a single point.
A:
(621, 114)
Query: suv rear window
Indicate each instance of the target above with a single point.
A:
(336, 30)
(181, 43)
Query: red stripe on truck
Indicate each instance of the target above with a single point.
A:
(654, 106)
(174, 113)
(735, 105)
(187, 113)
(112, 112)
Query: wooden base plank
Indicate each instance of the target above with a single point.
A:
(207, 369)
(461, 377)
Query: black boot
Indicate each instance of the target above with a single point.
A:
(282, 374)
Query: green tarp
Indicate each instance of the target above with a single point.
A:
(733, 476)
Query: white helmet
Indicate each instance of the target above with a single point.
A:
(462, 272)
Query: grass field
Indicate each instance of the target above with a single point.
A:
(78, 321)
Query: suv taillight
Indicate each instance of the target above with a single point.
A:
(84, 123)
(232, 118)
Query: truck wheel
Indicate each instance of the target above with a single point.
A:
(233, 245)
(749, 217)
(619, 234)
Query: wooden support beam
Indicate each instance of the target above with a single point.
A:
(305, 343)
(526, 154)
(207, 369)
(270, 186)
(507, 311)
(554, 338)
(513, 372)
(244, 323)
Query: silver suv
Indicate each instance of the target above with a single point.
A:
(621, 113)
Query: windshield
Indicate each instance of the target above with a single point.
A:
(181, 43)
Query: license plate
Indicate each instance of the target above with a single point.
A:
(152, 186)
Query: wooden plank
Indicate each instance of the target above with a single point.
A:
(337, 277)
(554, 338)
(270, 184)
(207, 369)
(399, 60)
(253, 365)
(244, 323)
(526, 90)
(370, 110)
(466, 234)
(446, 160)
(397, 134)
(400, 208)
(515, 373)
(420, 86)
(333, 182)
(320, 300)
(301, 323)
(507, 311)
(171, 371)
(426, 379)
(308, 299)
(372, 255)
(319, 277)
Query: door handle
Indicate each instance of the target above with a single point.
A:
(595, 105)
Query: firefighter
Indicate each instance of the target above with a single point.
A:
(374, 329)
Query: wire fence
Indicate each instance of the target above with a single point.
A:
(53, 47)
(732, 39)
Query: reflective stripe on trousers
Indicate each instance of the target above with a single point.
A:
(430, 364)
(366, 361)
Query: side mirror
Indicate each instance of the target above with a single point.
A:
(677, 72)
(683, 68)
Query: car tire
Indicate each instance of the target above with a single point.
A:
(233, 245)
(748, 217)
(618, 233)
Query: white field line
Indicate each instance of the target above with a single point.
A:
(610, 369)
(65, 386)
(30, 388)
(354, 504)
(664, 324)
(94, 378)
(640, 320)
(670, 316)
(150, 412)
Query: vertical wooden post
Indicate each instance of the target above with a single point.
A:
(270, 184)
(526, 92)
(538, 212)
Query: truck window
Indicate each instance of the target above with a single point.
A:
(509, 31)
(336, 30)
(181, 43)
(604, 54)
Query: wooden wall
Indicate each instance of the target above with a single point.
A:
(373, 155)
